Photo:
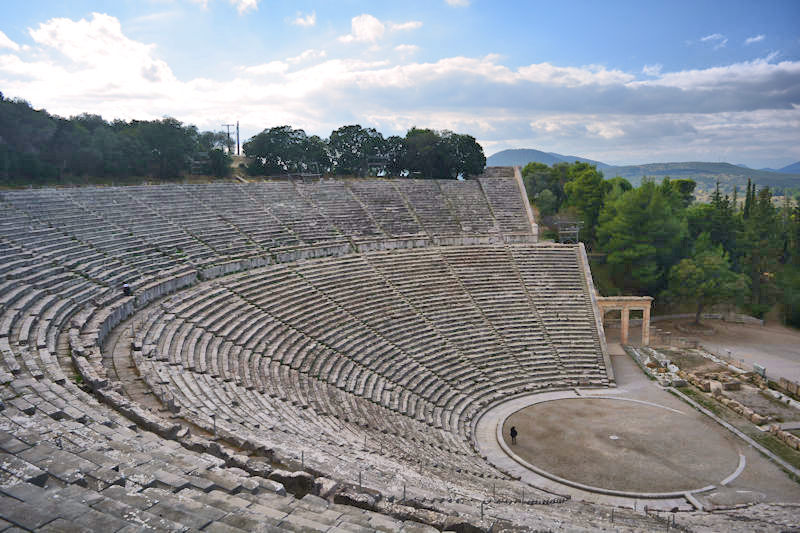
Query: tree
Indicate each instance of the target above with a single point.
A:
(547, 202)
(394, 153)
(642, 234)
(466, 156)
(424, 156)
(760, 246)
(585, 191)
(219, 163)
(351, 147)
(706, 277)
(277, 150)
(616, 186)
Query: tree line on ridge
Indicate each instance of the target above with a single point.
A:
(38, 148)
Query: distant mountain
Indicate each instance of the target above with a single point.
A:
(706, 175)
(794, 168)
(521, 157)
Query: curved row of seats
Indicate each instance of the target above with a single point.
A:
(346, 352)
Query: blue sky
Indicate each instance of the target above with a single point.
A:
(621, 82)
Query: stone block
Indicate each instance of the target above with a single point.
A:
(294, 482)
(324, 487)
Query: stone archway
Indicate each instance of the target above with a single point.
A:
(625, 304)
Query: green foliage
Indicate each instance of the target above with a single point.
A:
(547, 202)
(279, 150)
(431, 154)
(616, 186)
(789, 283)
(642, 233)
(760, 245)
(352, 146)
(37, 148)
(585, 190)
(219, 163)
(705, 277)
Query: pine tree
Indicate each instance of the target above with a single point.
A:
(748, 200)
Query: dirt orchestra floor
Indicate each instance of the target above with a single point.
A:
(622, 445)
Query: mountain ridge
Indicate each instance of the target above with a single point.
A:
(706, 174)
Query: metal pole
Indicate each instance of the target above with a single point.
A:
(302, 459)
(494, 495)
(359, 479)
(481, 509)
(404, 492)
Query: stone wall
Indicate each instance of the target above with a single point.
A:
(229, 267)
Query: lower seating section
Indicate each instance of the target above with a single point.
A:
(380, 358)
(554, 276)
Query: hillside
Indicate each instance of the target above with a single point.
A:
(706, 175)
(794, 168)
(523, 156)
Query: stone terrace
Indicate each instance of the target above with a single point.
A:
(345, 377)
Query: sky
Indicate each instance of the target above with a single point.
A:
(623, 82)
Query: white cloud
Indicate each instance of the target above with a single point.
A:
(5, 42)
(457, 3)
(548, 74)
(243, 6)
(754, 39)
(717, 39)
(403, 26)
(100, 48)
(273, 67)
(305, 20)
(737, 76)
(307, 55)
(652, 70)
(364, 28)
(604, 130)
(90, 65)
(407, 49)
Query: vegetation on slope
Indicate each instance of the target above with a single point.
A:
(654, 239)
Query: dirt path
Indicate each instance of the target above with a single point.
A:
(775, 347)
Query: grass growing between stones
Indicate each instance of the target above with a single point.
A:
(775, 445)
(703, 400)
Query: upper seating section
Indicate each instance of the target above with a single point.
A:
(154, 228)
(503, 193)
